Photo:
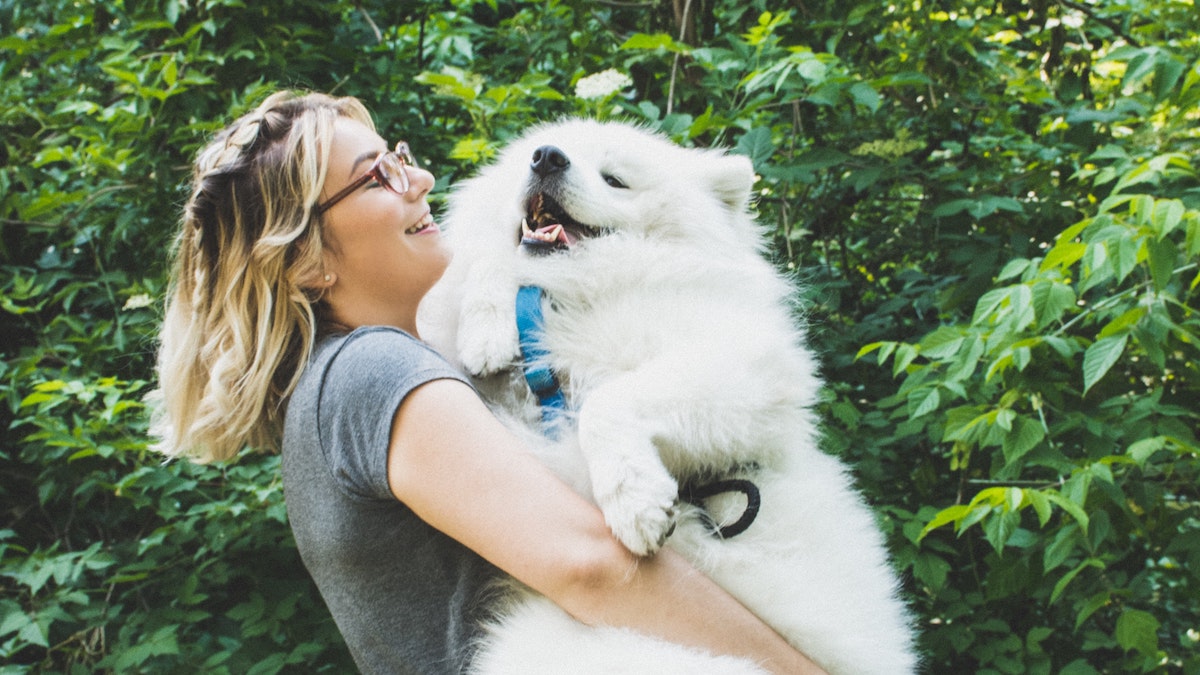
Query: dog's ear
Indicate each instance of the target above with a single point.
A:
(731, 178)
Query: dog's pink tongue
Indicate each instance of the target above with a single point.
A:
(549, 235)
(562, 236)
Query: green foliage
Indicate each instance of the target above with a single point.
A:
(995, 208)
(1070, 394)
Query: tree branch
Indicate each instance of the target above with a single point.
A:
(1104, 21)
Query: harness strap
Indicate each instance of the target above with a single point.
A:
(538, 375)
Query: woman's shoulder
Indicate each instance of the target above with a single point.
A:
(366, 337)
(369, 353)
(373, 343)
(340, 414)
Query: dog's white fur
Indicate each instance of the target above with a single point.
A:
(677, 347)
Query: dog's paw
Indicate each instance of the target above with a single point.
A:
(640, 510)
(489, 346)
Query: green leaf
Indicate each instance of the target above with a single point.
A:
(1078, 667)
(975, 515)
(1122, 324)
(1167, 73)
(1143, 450)
(163, 641)
(946, 516)
(931, 570)
(1051, 299)
(1063, 255)
(756, 144)
(1168, 214)
(1090, 606)
(1070, 576)
(655, 41)
(1138, 630)
(1025, 436)
(1000, 527)
(905, 354)
(170, 72)
(923, 401)
(1070, 507)
(1100, 358)
(1014, 268)
(985, 308)
(35, 634)
(941, 343)
(1124, 251)
(867, 349)
(979, 207)
(1061, 547)
(12, 617)
(1040, 504)
(901, 79)
(1163, 255)
(865, 95)
(966, 362)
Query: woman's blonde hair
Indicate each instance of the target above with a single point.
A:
(241, 313)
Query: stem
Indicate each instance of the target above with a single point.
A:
(683, 22)
(1105, 303)
(371, 22)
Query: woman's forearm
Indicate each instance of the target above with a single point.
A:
(664, 596)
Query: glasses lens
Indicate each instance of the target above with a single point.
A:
(392, 173)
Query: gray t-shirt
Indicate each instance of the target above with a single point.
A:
(406, 598)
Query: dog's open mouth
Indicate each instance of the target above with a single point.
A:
(547, 227)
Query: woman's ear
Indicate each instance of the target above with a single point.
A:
(319, 281)
(320, 277)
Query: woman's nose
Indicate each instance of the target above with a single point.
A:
(420, 182)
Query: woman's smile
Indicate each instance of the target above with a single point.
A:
(425, 225)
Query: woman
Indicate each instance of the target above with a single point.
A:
(291, 321)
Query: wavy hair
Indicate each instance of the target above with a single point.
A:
(241, 316)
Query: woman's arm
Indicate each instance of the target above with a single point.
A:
(461, 471)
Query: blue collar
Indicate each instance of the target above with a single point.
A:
(538, 375)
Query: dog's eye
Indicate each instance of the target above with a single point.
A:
(613, 181)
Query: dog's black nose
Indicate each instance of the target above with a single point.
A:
(549, 159)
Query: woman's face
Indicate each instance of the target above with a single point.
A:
(383, 250)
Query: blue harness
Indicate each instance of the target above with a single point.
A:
(538, 375)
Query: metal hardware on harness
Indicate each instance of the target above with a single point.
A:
(538, 375)
(697, 495)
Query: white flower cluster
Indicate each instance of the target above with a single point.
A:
(602, 84)
(138, 301)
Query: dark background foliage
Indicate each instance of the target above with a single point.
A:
(993, 207)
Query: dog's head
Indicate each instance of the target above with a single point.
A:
(582, 179)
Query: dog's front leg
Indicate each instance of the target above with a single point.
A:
(686, 413)
(629, 481)
(487, 332)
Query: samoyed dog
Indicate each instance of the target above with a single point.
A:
(687, 395)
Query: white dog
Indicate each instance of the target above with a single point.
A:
(675, 345)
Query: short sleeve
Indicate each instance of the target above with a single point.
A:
(365, 381)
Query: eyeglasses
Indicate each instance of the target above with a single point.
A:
(389, 170)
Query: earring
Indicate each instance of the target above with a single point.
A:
(328, 278)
